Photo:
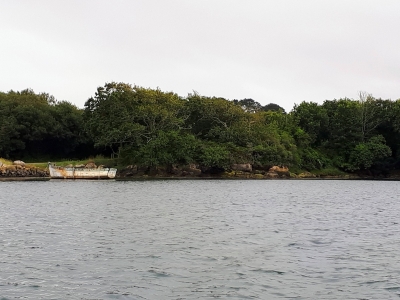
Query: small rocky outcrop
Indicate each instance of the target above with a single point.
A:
(191, 170)
(139, 171)
(18, 163)
(245, 171)
(22, 171)
(185, 170)
(306, 175)
(242, 167)
(91, 165)
(257, 172)
(282, 171)
(129, 171)
(272, 175)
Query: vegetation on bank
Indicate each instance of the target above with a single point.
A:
(151, 128)
(5, 161)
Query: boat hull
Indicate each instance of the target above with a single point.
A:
(81, 173)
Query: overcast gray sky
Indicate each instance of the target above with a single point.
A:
(283, 52)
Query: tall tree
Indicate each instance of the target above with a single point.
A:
(370, 114)
(248, 105)
(273, 107)
(120, 114)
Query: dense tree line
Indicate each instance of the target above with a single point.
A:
(150, 128)
(36, 126)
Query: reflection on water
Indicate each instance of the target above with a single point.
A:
(199, 240)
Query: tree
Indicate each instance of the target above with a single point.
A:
(248, 105)
(211, 118)
(370, 117)
(313, 119)
(214, 155)
(121, 115)
(38, 126)
(273, 107)
(365, 154)
(166, 148)
(343, 129)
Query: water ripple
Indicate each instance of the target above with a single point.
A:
(199, 240)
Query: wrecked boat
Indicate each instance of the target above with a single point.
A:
(81, 172)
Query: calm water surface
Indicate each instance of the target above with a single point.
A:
(200, 240)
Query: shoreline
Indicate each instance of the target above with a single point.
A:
(24, 179)
(150, 178)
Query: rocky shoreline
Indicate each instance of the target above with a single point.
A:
(19, 171)
(244, 171)
(22, 171)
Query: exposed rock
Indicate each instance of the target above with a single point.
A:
(11, 168)
(128, 171)
(307, 175)
(278, 169)
(272, 175)
(19, 163)
(21, 171)
(192, 170)
(194, 166)
(281, 171)
(242, 167)
(79, 166)
(186, 170)
(91, 165)
(175, 170)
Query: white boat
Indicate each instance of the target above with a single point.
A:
(81, 172)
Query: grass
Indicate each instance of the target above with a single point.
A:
(5, 161)
(295, 170)
(98, 160)
(329, 172)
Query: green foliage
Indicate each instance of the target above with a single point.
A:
(344, 127)
(33, 125)
(167, 147)
(312, 159)
(248, 105)
(121, 115)
(149, 127)
(270, 155)
(351, 133)
(395, 115)
(273, 107)
(313, 119)
(330, 171)
(364, 155)
(212, 154)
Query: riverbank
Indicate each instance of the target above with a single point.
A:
(136, 173)
(15, 171)
(3, 179)
(22, 171)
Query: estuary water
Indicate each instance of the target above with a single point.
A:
(200, 239)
